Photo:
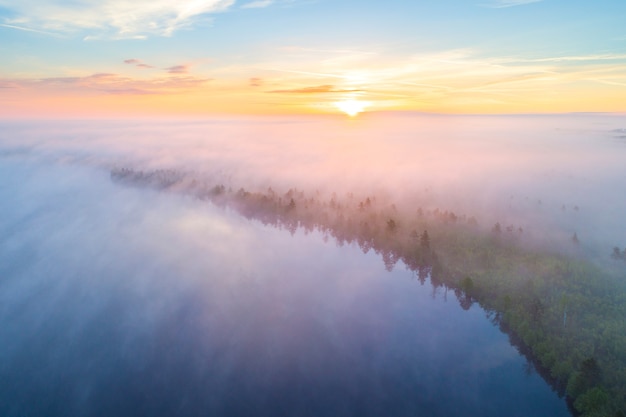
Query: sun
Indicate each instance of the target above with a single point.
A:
(351, 107)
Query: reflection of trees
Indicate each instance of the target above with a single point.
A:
(464, 293)
(522, 290)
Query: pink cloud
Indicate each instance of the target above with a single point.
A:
(178, 69)
(138, 63)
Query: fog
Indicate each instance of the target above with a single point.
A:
(551, 175)
(110, 291)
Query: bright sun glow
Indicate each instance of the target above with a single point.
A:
(351, 107)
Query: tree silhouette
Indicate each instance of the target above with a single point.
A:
(616, 253)
(425, 240)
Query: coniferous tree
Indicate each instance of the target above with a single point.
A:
(425, 240)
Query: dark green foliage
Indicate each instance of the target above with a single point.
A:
(592, 402)
(587, 377)
(590, 372)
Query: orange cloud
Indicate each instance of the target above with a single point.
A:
(255, 82)
(110, 84)
(314, 90)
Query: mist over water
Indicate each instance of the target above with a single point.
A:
(551, 175)
(121, 300)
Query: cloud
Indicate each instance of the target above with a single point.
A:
(470, 80)
(500, 4)
(25, 29)
(111, 84)
(575, 58)
(313, 90)
(258, 4)
(110, 19)
(137, 63)
(7, 84)
(178, 69)
(255, 82)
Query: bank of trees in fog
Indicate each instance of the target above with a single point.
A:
(564, 312)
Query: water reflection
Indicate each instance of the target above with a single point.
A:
(118, 301)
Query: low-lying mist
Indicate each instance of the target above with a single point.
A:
(552, 176)
(118, 300)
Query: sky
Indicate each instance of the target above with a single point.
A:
(92, 58)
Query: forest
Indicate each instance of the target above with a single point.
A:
(561, 310)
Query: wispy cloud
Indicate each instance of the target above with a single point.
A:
(573, 58)
(138, 63)
(175, 69)
(281, 68)
(25, 29)
(258, 4)
(608, 82)
(178, 69)
(255, 82)
(452, 79)
(7, 84)
(110, 19)
(313, 90)
(109, 83)
(500, 4)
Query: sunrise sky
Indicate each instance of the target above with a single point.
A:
(90, 58)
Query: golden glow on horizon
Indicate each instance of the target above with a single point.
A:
(352, 107)
(345, 72)
(452, 82)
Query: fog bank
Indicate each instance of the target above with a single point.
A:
(551, 175)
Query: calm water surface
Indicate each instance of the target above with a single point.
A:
(121, 301)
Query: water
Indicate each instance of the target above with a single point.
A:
(122, 301)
